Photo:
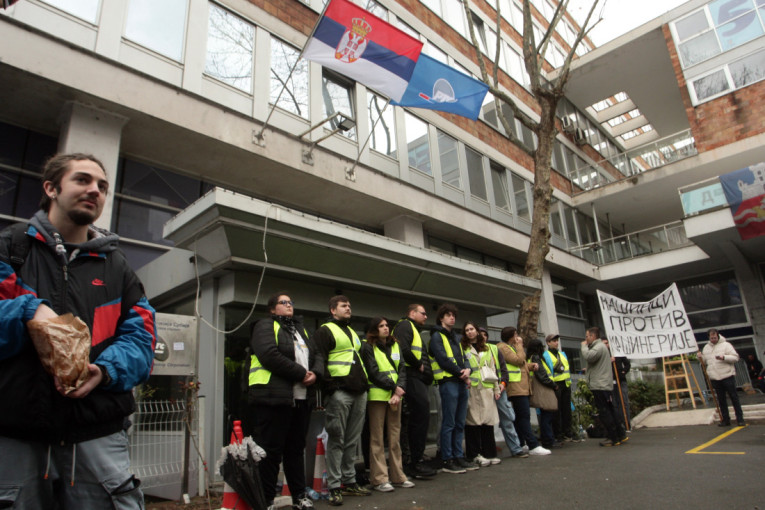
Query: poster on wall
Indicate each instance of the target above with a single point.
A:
(176, 350)
(651, 329)
(745, 192)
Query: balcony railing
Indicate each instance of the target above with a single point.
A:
(635, 161)
(636, 244)
(702, 197)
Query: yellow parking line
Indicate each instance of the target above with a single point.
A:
(698, 449)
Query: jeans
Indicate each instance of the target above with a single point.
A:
(523, 420)
(506, 419)
(91, 475)
(546, 427)
(418, 405)
(454, 398)
(344, 420)
(723, 386)
(604, 402)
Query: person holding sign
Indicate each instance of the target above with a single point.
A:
(600, 381)
(720, 358)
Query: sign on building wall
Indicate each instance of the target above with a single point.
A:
(745, 191)
(651, 329)
(176, 349)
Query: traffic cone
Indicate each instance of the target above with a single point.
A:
(232, 500)
(319, 469)
(283, 478)
(236, 434)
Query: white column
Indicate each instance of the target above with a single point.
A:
(405, 229)
(94, 131)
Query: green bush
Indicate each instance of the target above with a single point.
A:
(644, 394)
(584, 408)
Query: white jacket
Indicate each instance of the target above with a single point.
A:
(720, 369)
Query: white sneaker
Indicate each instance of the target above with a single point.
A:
(525, 448)
(384, 487)
(481, 460)
(495, 460)
(405, 485)
(539, 451)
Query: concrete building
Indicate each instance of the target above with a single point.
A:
(218, 196)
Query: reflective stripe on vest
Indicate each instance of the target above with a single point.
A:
(259, 374)
(438, 372)
(495, 356)
(391, 371)
(341, 357)
(416, 341)
(513, 372)
(566, 375)
(475, 376)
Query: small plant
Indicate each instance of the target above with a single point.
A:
(582, 400)
(644, 394)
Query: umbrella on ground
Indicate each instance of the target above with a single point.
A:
(239, 467)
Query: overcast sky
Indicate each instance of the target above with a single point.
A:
(621, 16)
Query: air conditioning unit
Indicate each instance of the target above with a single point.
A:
(580, 137)
(568, 125)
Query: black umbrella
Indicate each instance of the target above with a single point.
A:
(239, 467)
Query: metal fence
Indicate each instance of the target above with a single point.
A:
(157, 444)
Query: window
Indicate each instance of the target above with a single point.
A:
(417, 144)
(521, 200)
(710, 85)
(749, 69)
(433, 5)
(375, 8)
(83, 9)
(230, 45)
(556, 224)
(338, 97)
(454, 16)
(294, 96)
(475, 173)
(382, 125)
(499, 183)
(450, 161)
(159, 26)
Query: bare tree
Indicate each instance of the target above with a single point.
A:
(547, 93)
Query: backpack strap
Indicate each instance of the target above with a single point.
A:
(21, 243)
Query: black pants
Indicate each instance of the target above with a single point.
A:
(723, 386)
(479, 439)
(415, 430)
(562, 419)
(604, 402)
(281, 431)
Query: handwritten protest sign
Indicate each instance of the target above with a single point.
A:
(651, 329)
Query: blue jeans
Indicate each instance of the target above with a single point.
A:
(546, 427)
(523, 421)
(506, 419)
(454, 398)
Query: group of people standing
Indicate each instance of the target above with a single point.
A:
(384, 380)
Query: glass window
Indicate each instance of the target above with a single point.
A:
(157, 186)
(742, 29)
(692, 25)
(430, 50)
(499, 183)
(433, 5)
(586, 228)
(748, 70)
(230, 45)
(137, 220)
(711, 291)
(406, 28)
(294, 97)
(725, 10)
(454, 16)
(441, 246)
(338, 97)
(568, 214)
(417, 144)
(475, 173)
(382, 125)
(159, 26)
(468, 254)
(450, 161)
(521, 200)
(375, 8)
(83, 9)
(710, 85)
(556, 224)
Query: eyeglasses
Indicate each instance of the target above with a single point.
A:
(286, 302)
(422, 313)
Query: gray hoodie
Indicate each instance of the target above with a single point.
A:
(599, 374)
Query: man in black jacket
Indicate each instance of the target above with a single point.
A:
(281, 390)
(67, 448)
(416, 416)
(345, 385)
(621, 367)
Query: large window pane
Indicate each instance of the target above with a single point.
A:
(699, 49)
(140, 221)
(710, 85)
(475, 173)
(692, 25)
(748, 70)
(83, 9)
(417, 145)
(383, 131)
(337, 97)
(499, 183)
(450, 161)
(742, 29)
(230, 45)
(521, 200)
(159, 26)
(158, 186)
(725, 10)
(454, 15)
(294, 97)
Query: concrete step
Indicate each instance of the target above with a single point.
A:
(657, 416)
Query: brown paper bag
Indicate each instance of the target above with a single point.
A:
(63, 344)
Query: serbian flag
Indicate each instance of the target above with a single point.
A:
(745, 191)
(358, 44)
(437, 86)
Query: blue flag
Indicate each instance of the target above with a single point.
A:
(437, 86)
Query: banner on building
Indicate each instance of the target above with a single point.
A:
(176, 350)
(745, 191)
(651, 329)
(436, 86)
(358, 44)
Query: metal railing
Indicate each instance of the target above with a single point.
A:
(635, 161)
(702, 197)
(635, 244)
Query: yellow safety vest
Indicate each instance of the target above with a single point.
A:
(513, 372)
(391, 371)
(259, 374)
(566, 375)
(341, 357)
(477, 362)
(416, 341)
(438, 372)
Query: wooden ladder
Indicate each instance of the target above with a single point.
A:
(675, 370)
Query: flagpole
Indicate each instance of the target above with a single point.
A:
(350, 173)
(259, 136)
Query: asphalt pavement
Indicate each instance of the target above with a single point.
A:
(654, 469)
